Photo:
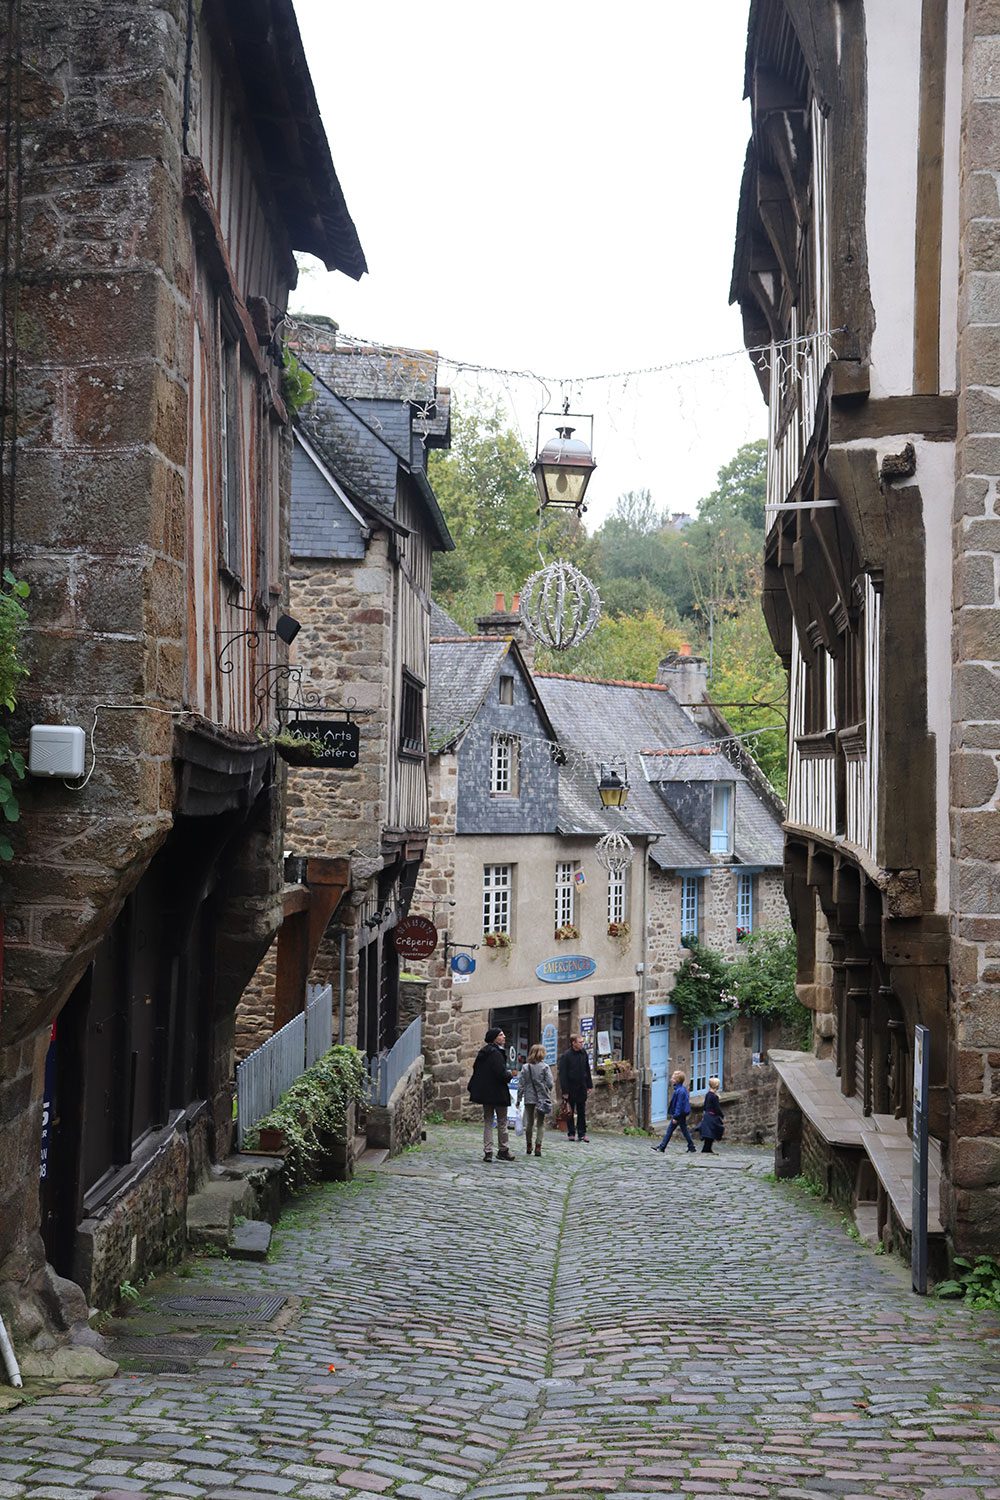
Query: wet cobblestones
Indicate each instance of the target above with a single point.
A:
(598, 1322)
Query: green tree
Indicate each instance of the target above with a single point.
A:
(623, 647)
(641, 560)
(741, 490)
(749, 685)
(762, 981)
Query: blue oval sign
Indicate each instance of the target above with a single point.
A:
(563, 970)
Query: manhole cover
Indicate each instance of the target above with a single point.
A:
(234, 1308)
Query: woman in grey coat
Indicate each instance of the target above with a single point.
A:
(534, 1086)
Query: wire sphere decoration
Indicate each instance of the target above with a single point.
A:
(560, 606)
(614, 853)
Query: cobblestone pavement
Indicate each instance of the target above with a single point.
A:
(600, 1322)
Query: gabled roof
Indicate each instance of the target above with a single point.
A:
(443, 627)
(461, 673)
(259, 49)
(643, 722)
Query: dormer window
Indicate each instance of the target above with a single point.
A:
(722, 818)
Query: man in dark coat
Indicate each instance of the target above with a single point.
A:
(490, 1087)
(575, 1083)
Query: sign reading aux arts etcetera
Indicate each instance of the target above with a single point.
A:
(566, 969)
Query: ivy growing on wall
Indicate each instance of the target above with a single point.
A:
(13, 617)
(760, 982)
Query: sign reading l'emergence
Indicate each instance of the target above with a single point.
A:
(564, 970)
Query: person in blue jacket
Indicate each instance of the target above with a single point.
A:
(678, 1110)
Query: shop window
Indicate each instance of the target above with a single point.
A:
(613, 1015)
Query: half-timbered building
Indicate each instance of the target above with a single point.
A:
(365, 525)
(170, 163)
(865, 279)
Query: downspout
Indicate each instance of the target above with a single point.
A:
(341, 1022)
(643, 1035)
(9, 1357)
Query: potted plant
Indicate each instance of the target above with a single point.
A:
(299, 749)
(497, 944)
(619, 929)
(566, 933)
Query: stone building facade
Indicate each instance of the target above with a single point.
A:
(515, 820)
(880, 568)
(365, 524)
(150, 519)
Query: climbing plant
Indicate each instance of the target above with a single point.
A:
(313, 1110)
(700, 990)
(13, 617)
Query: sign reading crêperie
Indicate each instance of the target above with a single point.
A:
(415, 937)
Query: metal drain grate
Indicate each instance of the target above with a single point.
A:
(232, 1308)
(163, 1355)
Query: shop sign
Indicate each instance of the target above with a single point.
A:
(415, 937)
(550, 1041)
(565, 970)
(462, 965)
(341, 742)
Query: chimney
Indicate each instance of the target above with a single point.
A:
(507, 622)
(685, 675)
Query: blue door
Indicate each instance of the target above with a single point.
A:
(659, 1065)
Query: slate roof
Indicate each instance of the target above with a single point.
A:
(595, 719)
(443, 627)
(460, 675)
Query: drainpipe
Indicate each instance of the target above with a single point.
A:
(343, 985)
(9, 1357)
(647, 1084)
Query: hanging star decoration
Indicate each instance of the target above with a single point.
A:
(560, 606)
(614, 852)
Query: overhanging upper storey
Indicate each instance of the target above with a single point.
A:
(800, 271)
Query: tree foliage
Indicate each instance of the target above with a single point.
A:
(759, 982)
(741, 491)
(628, 647)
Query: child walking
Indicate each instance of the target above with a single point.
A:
(534, 1086)
(678, 1109)
(712, 1125)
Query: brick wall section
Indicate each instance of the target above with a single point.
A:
(972, 1194)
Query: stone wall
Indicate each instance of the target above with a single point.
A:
(444, 1039)
(401, 1122)
(972, 1166)
(717, 913)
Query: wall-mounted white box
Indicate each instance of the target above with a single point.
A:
(56, 750)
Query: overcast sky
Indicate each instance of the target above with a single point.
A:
(550, 187)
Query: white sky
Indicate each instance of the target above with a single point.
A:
(550, 187)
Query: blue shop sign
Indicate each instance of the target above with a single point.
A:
(565, 970)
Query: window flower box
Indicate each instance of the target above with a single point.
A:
(496, 940)
(619, 929)
(566, 933)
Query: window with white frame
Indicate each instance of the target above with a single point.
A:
(504, 757)
(498, 882)
(706, 1055)
(617, 896)
(722, 818)
(744, 904)
(565, 892)
(690, 891)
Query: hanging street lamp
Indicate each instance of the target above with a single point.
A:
(562, 469)
(613, 788)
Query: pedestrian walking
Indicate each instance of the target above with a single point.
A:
(490, 1087)
(712, 1125)
(575, 1084)
(678, 1110)
(534, 1086)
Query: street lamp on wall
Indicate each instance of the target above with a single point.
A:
(563, 467)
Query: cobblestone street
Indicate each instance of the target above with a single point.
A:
(600, 1322)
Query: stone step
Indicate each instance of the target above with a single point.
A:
(250, 1240)
(359, 1146)
(211, 1211)
(370, 1158)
